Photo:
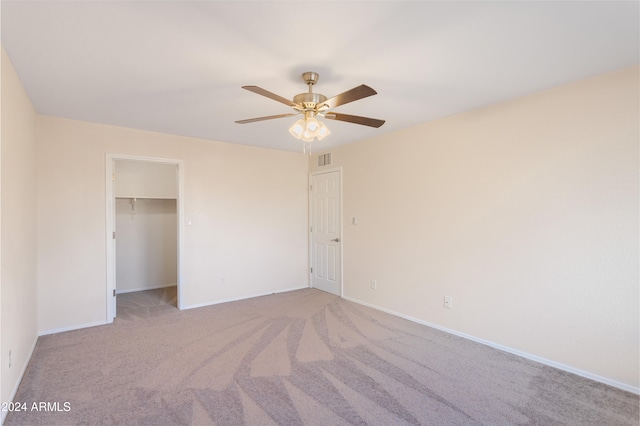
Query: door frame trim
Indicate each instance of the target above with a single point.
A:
(311, 175)
(110, 222)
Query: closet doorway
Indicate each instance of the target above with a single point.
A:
(144, 202)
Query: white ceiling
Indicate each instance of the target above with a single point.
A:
(177, 67)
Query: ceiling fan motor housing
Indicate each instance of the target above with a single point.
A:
(309, 100)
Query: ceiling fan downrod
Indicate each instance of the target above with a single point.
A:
(309, 100)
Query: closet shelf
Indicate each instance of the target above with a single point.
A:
(144, 197)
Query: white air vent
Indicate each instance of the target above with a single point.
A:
(324, 159)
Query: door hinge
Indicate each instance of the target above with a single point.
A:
(114, 292)
(114, 235)
(310, 187)
(312, 270)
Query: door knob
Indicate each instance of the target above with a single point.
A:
(336, 240)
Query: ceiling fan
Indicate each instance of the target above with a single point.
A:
(315, 104)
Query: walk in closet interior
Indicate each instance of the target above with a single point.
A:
(146, 225)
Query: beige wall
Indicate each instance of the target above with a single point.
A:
(17, 230)
(145, 179)
(247, 207)
(525, 212)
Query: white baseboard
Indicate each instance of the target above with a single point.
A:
(545, 361)
(235, 299)
(17, 384)
(131, 290)
(71, 328)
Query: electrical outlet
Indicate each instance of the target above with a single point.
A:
(448, 302)
(374, 284)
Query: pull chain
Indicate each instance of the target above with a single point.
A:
(306, 148)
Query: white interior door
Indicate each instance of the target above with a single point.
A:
(326, 245)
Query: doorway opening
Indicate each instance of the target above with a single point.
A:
(144, 244)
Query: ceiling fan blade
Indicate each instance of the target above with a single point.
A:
(354, 94)
(270, 117)
(268, 94)
(365, 121)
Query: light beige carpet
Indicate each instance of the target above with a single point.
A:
(302, 357)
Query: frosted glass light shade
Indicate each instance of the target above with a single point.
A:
(313, 125)
(323, 131)
(297, 129)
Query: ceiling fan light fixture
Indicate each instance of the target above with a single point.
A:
(309, 128)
